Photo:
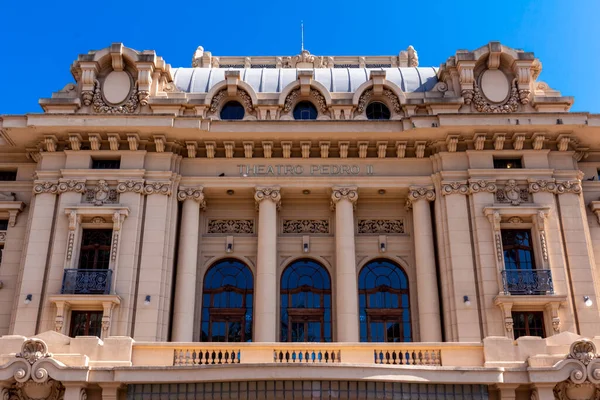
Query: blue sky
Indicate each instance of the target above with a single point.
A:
(40, 39)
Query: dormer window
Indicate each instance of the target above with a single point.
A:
(232, 110)
(106, 163)
(507, 163)
(378, 110)
(305, 110)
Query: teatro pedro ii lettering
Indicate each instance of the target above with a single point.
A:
(301, 227)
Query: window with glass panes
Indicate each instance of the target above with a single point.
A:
(95, 249)
(86, 323)
(518, 249)
(528, 323)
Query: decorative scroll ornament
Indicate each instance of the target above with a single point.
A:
(348, 193)
(364, 99)
(542, 186)
(381, 226)
(163, 188)
(100, 194)
(45, 187)
(569, 187)
(313, 226)
(2, 236)
(130, 186)
(99, 105)
(271, 193)
(584, 379)
(481, 104)
(195, 194)
(229, 226)
(512, 193)
(291, 98)
(583, 351)
(455, 188)
(33, 350)
(245, 98)
(419, 193)
(71, 186)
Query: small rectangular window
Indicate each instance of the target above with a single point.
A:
(106, 164)
(8, 175)
(528, 323)
(86, 323)
(3, 224)
(507, 163)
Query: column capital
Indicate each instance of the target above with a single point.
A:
(416, 193)
(135, 186)
(40, 187)
(192, 193)
(338, 193)
(71, 185)
(271, 193)
(455, 188)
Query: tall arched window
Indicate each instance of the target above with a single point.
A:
(384, 303)
(305, 303)
(227, 302)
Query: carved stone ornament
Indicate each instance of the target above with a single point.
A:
(33, 350)
(483, 186)
(100, 194)
(481, 104)
(584, 379)
(291, 100)
(271, 193)
(380, 226)
(163, 188)
(98, 220)
(455, 188)
(555, 187)
(71, 186)
(218, 99)
(2, 236)
(542, 186)
(421, 193)
(512, 193)
(229, 226)
(313, 226)
(130, 186)
(583, 351)
(45, 187)
(99, 105)
(195, 194)
(348, 193)
(366, 96)
(515, 220)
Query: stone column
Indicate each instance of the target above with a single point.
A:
(343, 199)
(266, 323)
(185, 284)
(427, 286)
(36, 256)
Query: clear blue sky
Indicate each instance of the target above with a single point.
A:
(40, 39)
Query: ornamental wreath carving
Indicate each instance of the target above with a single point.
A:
(380, 226)
(313, 226)
(229, 226)
(99, 105)
(510, 105)
(584, 379)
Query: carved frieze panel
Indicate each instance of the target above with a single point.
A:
(311, 226)
(231, 226)
(381, 226)
(512, 194)
(100, 194)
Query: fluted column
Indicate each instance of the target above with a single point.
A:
(427, 287)
(268, 200)
(185, 283)
(343, 200)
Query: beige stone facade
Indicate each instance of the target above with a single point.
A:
(301, 227)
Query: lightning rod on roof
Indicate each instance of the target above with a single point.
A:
(302, 36)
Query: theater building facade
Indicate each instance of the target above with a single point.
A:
(301, 227)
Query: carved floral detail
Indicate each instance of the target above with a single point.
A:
(481, 104)
(100, 194)
(583, 350)
(218, 98)
(33, 350)
(381, 226)
(366, 96)
(467, 94)
(314, 226)
(291, 99)
(229, 226)
(100, 106)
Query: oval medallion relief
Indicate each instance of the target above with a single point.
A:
(116, 87)
(494, 85)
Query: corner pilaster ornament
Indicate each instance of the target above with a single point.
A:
(268, 193)
(71, 186)
(45, 187)
(163, 188)
(349, 193)
(130, 186)
(483, 186)
(196, 194)
(455, 188)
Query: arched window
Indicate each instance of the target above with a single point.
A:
(227, 302)
(305, 303)
(232, 110)
(305, 110)
(384, 303)
(378, 110)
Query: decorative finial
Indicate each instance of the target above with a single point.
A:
(302, 36)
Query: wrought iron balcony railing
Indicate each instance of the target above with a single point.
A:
(86, 281)
(524, 281)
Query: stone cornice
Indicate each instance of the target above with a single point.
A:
(190, 193)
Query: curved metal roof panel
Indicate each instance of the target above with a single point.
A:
(274, 80)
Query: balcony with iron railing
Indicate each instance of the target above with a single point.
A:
(527, 282)
(86, 281)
